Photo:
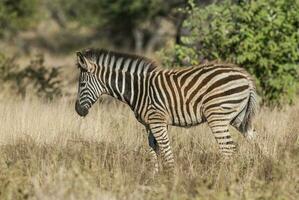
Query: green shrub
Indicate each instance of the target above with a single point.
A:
(35, 78)
(261, 36)
(18, 15)
(132, 23)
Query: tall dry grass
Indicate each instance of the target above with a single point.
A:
(48, 152)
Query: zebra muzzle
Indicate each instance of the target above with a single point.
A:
(81, 110)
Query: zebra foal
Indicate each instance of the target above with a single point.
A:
(219, 94)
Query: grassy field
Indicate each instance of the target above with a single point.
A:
(48, 152)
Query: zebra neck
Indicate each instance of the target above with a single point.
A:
(128, 80)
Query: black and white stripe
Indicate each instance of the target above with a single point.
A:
(219, 94)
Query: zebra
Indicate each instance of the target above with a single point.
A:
(219, 94)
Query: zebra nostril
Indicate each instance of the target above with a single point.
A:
(81, 110)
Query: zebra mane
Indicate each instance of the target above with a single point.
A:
(94, 54)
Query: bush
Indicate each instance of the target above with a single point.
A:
(132, 23)
(18, 15)
(261, 36)
(33, 79)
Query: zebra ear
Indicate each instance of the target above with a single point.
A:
(81, 61)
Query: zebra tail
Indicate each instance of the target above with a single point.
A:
(246, 126)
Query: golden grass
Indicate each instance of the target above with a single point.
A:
(48, 152)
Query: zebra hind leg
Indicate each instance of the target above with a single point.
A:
(221, 133)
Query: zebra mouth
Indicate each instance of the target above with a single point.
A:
(81, 110)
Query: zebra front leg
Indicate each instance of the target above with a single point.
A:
(154, 151)
(159, 132)
(221, 133)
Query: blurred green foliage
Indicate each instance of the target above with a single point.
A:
(34, 78)
(121, 14)
(121, 18)
(16, 15)
(261, 36)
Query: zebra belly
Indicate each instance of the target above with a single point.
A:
(186, 125)
(186, 116)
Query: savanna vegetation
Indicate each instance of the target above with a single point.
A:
(48, 152)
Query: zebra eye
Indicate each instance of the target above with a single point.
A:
(83, 70)
(82, 84)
